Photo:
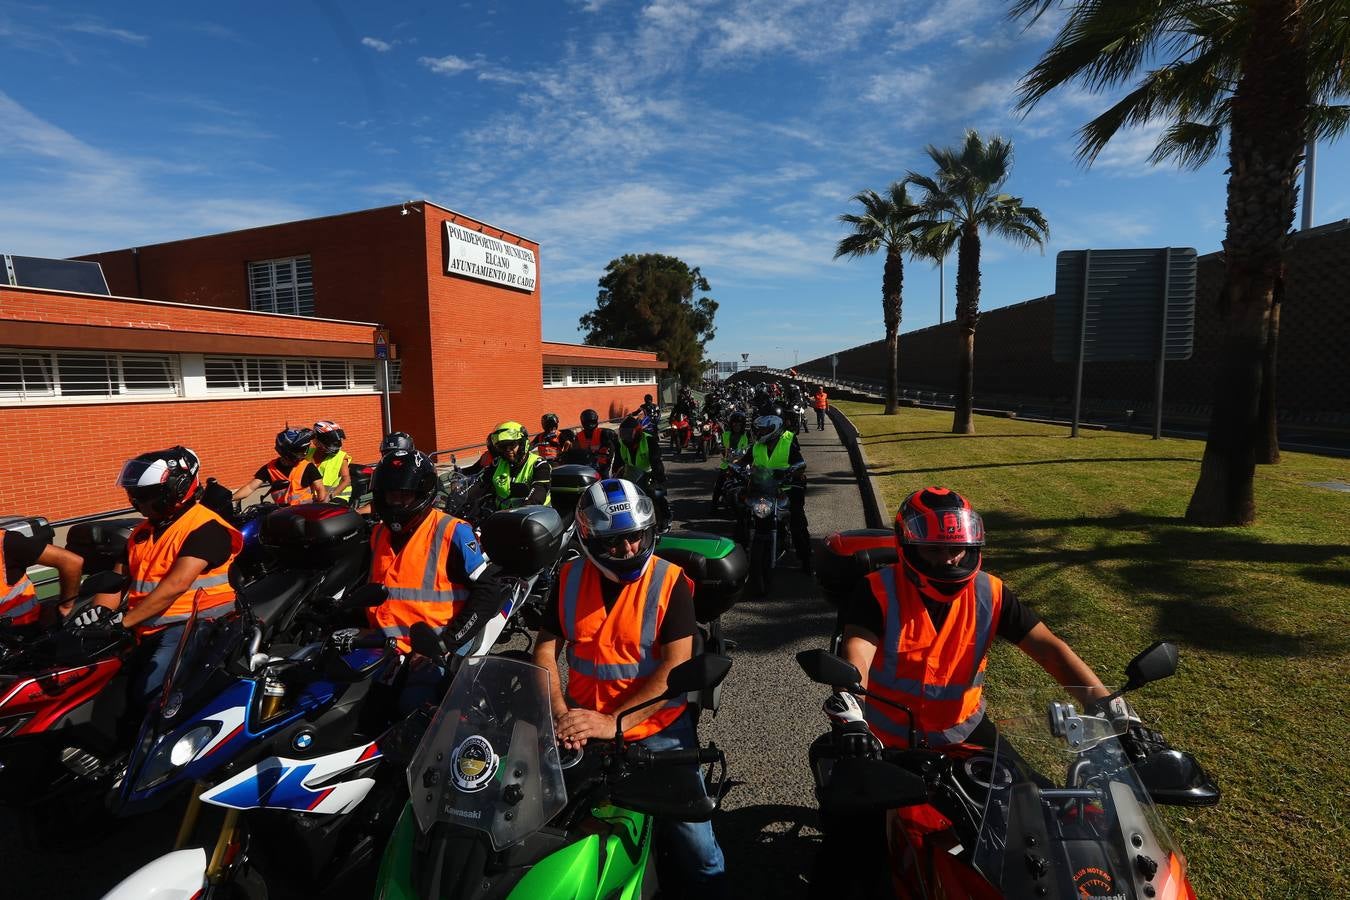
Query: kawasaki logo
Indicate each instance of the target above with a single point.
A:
(465, 813)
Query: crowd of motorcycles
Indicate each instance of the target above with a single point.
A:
(294, 777)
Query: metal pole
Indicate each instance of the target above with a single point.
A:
(1162, 344)
(384, 391)
(942, 286)
(1082, 342)
(1309, 182)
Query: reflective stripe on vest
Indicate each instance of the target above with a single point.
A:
(210, 612)
(636, 466)
(651, 607)
(547, 445)
(419, 588)
(201, 581)
(781, 451)
(19, 600)
(891, 725)
(294, 489)
(502, 479)
(742, 445)
(331, 470)
(150, 559)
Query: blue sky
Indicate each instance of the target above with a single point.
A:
(728, 132)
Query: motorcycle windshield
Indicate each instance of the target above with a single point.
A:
(1064, 813)
(489, 761)
(763, 483)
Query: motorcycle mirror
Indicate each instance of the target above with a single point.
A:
(367, 595)
(103, 583)
(1154, 664)
(425, 642)
(823, 667)
(699, 673)
(860, 786)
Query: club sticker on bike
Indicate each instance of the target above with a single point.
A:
(473, 764)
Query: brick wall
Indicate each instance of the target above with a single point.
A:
(62, 460)
(1013, 346)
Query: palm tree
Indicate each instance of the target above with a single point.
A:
(887, 222)
(961, 199)
(1264, 71)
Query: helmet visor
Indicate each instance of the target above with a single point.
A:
(943, 527)
(137, 473)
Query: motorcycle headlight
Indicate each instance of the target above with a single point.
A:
(760, 508)
(173, 754)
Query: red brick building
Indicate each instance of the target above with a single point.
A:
(218, 342)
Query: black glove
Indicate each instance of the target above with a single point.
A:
(1139, 743)
(96, 616)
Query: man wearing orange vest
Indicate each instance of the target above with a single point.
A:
(18, 595)
(430, 563)
(592, 446)
(626, 618)
(181, 553)
(291, 477)
(821, 401)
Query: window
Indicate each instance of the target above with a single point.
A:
(282, 286)
(363, 375)
(584, 375)
(555, 376)
(636, 376)
(229, 374)
(30, 375)
(593, 376)
(333, 375)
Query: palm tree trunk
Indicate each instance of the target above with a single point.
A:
(1269, 120)
(967, 317)
(1268, 447)
(892, 285)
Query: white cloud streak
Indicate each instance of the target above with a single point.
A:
(377, 45)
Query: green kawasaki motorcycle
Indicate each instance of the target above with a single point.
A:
(497, 810)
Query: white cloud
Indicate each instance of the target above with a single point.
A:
(446, 65)
(97, 29)
(929, 21)
(1127, 153)
(377, 45)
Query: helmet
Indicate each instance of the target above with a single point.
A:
(646, 398)
(396, 440)
(549, 422)
(163, 481)
(590, 419)
(329, 435)
(609, 510)
(767, 429)
(737, 418)
(403, 470)
(293, 442)
(939, 517)
(504, 435)
(630, 431)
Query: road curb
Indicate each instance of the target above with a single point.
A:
(874, 508)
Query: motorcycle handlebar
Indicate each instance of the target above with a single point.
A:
(693, 756)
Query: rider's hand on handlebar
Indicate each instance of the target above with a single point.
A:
(94, 616)
(576, 726)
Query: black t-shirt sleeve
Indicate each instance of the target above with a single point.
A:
(679, 618)
(263, 475)
(209, 541)
(21, 551)
(312, 474)
(1015, 619)
(861, 610)
(553, 611)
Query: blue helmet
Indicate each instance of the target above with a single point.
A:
(293, 442)
(612, 516)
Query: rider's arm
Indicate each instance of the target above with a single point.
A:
(247, 489)
(344, 481)
(207, 547)
(654, 456)
(69, 567)
(467, 564)
(543, 480)
(1062, 664)
(547, 646)
(861, 618)
(314, 481)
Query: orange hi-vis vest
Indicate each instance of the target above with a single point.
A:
(822, 400)
(18, 600)
(594, 443)
(295, 490)
(938, 674)
(610, 654)
(547, 446)
(150, 558)
(419, 589)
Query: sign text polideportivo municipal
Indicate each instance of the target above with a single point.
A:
(477, 255)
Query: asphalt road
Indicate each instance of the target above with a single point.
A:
(770, 713)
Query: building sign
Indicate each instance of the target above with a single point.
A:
(475, 255)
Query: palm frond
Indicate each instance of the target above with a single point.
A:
(1190, 144)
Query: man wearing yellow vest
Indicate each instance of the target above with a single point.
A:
(626, 618)
(514, 474)
(290, 478)
(778, 451)
(332, 461)
(18, 594)
(735, 444)
(181, 552)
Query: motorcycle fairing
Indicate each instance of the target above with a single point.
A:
(47, 698)
(332, 784)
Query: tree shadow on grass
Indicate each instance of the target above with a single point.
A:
(1037, 462)
(1199, 604)
(868, 441)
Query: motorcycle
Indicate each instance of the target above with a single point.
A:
(1062, 806)
(496, 809)
(709, 438)
(762, 519)
(681, 432)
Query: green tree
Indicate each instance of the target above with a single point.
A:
(1264, 71)
(887, 222)
(963, 197)
(646, 302)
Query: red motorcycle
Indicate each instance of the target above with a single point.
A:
(681, 430)
(1062, 806)
(709, 437)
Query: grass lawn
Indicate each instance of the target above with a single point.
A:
(1090, 532)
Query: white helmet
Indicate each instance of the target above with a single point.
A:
(610, 510)
(767, 429)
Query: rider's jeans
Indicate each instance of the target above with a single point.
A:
(691, 846)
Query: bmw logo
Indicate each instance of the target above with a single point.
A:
(302, 740)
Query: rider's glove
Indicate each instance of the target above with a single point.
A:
(97, 615)
(340, 641)
(1121, 714)
(1140, 743)
(851, 735)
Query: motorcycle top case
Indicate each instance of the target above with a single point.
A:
(567, 485)
(29, 526)
(847, 557)
(523, 540)
(101, 544)
(311, 534)
(717, 565)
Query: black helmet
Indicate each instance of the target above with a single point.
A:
(590, 419)
(646, 398)
(939, 517)
(737, 418)
(162, 481)
(630, 430)
(396, 440)
(403, 470)
(330, 435)
(293, 442)
(549, 421)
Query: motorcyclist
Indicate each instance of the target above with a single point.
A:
(619, 652)
(777, 450)
(685, 403)
(396, 440)
(326, 452)
(291, 477)
(639, 453)
(821, 402)
(18, 594)
(179, 555)
(735, 444)
(517, 476)
(592, 445)
(652, 411)
(549, 443)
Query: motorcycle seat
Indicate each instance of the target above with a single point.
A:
(273, 595)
